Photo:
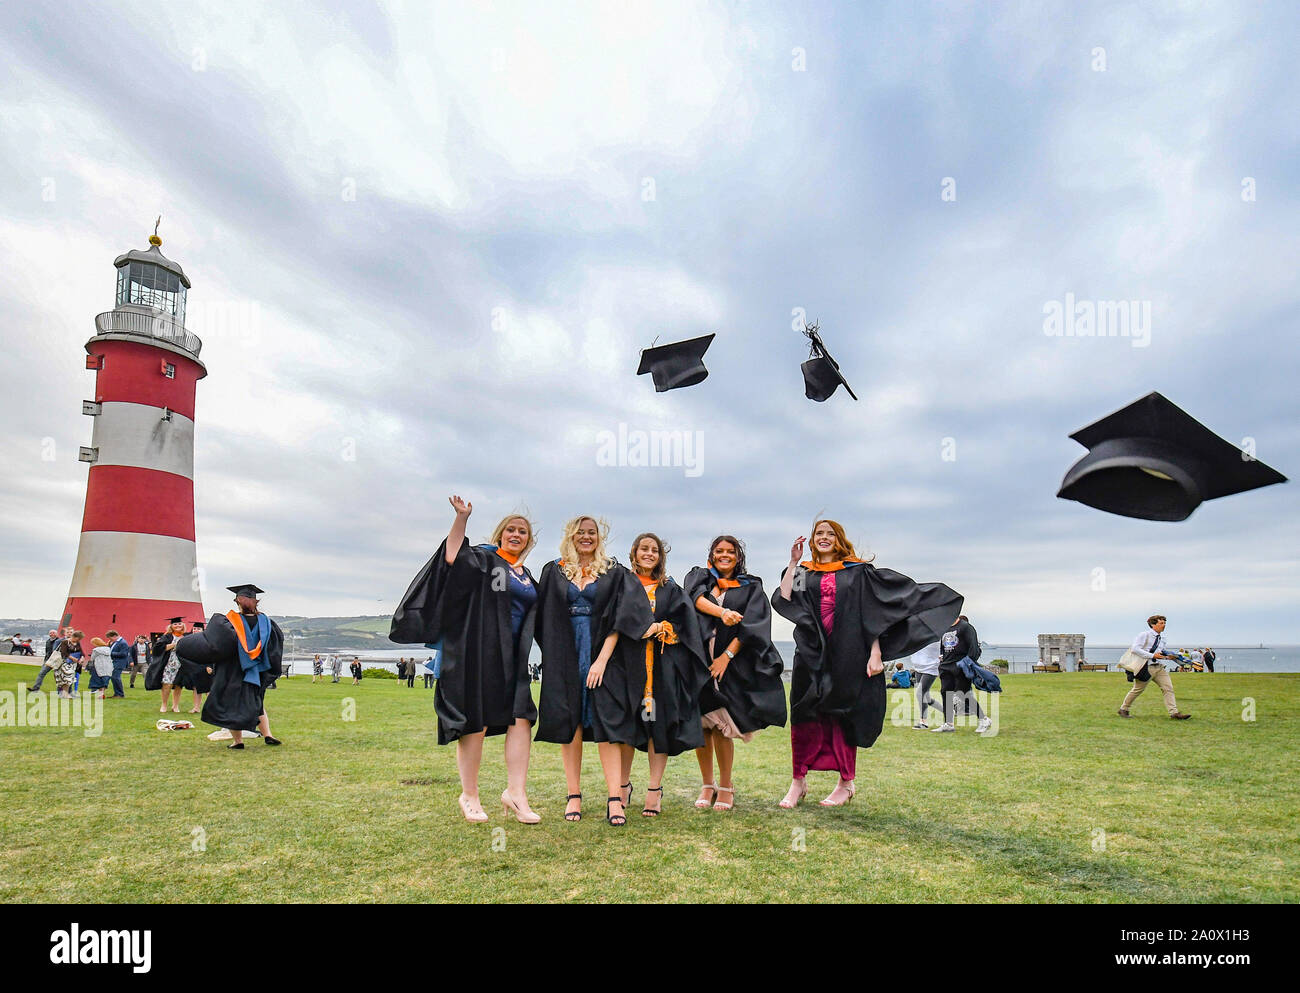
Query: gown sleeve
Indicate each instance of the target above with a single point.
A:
(626, 609)
(795, 609)
(207, 647)
(438, 591)
(905, 616)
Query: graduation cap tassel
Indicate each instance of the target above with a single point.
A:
(821, 373)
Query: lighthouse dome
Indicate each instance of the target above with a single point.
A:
(149, 279)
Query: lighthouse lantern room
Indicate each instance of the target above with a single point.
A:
(136, 563)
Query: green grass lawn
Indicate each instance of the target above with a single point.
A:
(1067, 803)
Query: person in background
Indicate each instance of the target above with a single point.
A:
(51, 646)
(1198, 660)
(1209, 657)
(1149, 645)
(355, 668)
(195, 677)
(101, 666)
(139, 657)
(900, 679)
(428, 672)
(120, 651)
(317, 668)
(410, 673)
(69, 663)
(336, 667)
(925, 664)
(166, 665)
(961, 641)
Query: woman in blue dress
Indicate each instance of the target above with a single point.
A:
(584, 605)
(479, 604)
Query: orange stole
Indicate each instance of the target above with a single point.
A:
(835, 566)
(237, 623)
(666, 636)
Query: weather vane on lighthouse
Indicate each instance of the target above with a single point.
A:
(154, 239)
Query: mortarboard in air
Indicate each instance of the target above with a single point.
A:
(1153, 461)
(247, 589)
(676, 365)
(821, 373)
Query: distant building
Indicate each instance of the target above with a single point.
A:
(1065, 650)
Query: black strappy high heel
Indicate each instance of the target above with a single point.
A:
(572, 815)
(615, 820)
(627, 786)
(646, 811)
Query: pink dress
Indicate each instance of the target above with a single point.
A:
(820, 744)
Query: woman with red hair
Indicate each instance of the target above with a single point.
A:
(849, 619)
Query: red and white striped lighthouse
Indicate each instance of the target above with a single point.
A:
(136, 564)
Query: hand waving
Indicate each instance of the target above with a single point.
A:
(796, 550)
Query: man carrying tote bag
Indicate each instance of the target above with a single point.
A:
(1142, 661)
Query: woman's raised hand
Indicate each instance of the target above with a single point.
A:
(796, 550)
(462, 508)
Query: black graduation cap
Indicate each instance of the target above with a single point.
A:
(176, 620)
(1154, 461)
(677, 365)
(248, 589)
(821, 373)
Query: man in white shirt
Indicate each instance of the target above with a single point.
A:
(925, 664)
(1150, 645)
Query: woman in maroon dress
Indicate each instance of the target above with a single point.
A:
(850, 618)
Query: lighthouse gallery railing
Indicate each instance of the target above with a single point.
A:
(149, 325)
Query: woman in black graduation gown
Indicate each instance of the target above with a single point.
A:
(585, 601)
(193, 676)
(164, 669)
(744, 692)
(238, 690)
(646, 696)
(849, 619)
(478, 605)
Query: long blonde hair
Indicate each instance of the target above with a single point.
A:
(500, 529)
(600, 565)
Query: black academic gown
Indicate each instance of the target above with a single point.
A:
(751, 689)
(232, 703)
(157, 661)
(829, 677)
(193, 676)
(466, 607)
(619, 606)
(679, 672)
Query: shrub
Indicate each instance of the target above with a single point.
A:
(377, 674)
(1000, 664)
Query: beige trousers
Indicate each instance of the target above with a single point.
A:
(1159, 676)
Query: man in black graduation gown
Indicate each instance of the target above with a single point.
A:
(242, 649)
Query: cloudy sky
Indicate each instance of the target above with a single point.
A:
(428, 241)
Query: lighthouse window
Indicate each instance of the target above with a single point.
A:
(170, 371)
(151, 286)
